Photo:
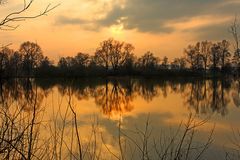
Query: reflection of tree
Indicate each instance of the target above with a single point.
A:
(177, 87)
(236, 93)
(112, 95)
(113, 98)
(23, 92)
(147, 89)
(220, 97)
(81, 89)
(20, 119)
(208, 96)
(236, 99)
(32, 95)
(196, 96)
(117, 95)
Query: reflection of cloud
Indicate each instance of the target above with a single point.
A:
(158, 129)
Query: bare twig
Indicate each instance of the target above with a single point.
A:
(17, 16)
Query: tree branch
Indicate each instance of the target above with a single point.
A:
(17, 16)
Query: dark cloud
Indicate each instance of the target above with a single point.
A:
(152, 15)
(85, 24)
(67, 20)
(213, 32)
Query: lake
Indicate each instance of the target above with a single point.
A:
(121, 118)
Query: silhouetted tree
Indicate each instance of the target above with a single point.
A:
(121, 52)
(102, 55)
(205, 51)
(198, 57)
(118, 58)
(4, 60)
(165, 63)
(190, 55)
(178, 63)
(129, 64)
(148, 61)
(81, 60)
(93, 62)
(16, 63)
(194, 57)
(32, 56)
(215, 56)
(234, 30)
(45, 62)
(225, 54)
(62, 63)
(113, 53)
(45, 68)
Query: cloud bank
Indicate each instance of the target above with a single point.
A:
(160, 16)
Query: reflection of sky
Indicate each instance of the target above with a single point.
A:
(165, 112)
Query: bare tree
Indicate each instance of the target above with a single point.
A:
(82, 60)
(165, 62)
(234, 30)
(215, 56)
(193, 56)
(148, 61)
(178, 63)
(102, 55)
(225, 53)
(113, 53)
(121, 53)
(32, 56)
(205, 49)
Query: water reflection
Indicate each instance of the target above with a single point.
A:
(21, 91)
(116, 96)
(112, 97)
(209, 96)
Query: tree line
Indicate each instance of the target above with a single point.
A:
(114, 57)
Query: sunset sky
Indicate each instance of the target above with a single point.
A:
(164, 27)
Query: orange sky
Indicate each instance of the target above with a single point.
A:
(164, 28)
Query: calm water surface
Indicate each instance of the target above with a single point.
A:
(106, 103)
